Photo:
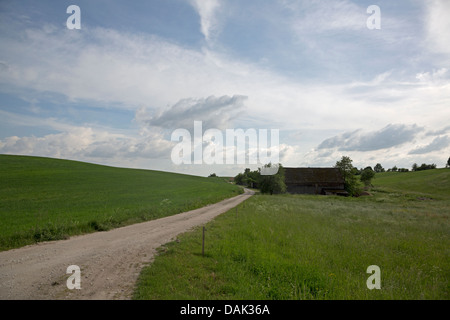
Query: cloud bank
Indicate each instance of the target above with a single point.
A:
(214, 112)
(388, 137)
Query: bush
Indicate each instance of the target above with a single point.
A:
(273, 183)
(266, 183)
(366, 176)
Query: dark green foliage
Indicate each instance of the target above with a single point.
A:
(378, 168)
(273, 184)
(366, 176)
(248, 178)
(423, 166)
(349, 172)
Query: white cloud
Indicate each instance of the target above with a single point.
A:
(400, 145)
(85, 143)
(438, 25)
(64, 145)
(435, 76)
(388, 137)
(214, 112)
(88, 142)
(322, 16)
(207, 9)
(439, 143)
(131, 71)
(438, 132)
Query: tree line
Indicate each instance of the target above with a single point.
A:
(379, 168)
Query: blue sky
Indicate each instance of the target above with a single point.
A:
(113, 91)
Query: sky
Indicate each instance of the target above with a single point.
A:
(113, 91)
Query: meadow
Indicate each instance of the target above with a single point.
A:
(289, 247)
(45, 199)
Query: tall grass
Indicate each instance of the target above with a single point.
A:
(312, 247)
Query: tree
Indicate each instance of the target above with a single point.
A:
(212, 175)
(378, 168)
(345, 166)
(448, 163)
(414, 167)
(272, 183)
(425, 166)
(252, 177)
(248, 178)
(366, 176)
(239, 179)
(348, 173)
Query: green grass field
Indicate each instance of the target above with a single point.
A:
(48, 199)
(317, 247)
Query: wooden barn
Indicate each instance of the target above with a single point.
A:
(327, 181)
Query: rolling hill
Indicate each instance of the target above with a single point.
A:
(47, 199)
(432, 183)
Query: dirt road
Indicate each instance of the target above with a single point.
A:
(110, 262)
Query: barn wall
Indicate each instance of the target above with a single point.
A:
(302, 189)
(309, 189)
(313, 180)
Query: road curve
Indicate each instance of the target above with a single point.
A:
(110, 262)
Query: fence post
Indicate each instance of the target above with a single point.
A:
(203, 242)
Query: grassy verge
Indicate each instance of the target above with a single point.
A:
(48, 199)
(315, 247)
